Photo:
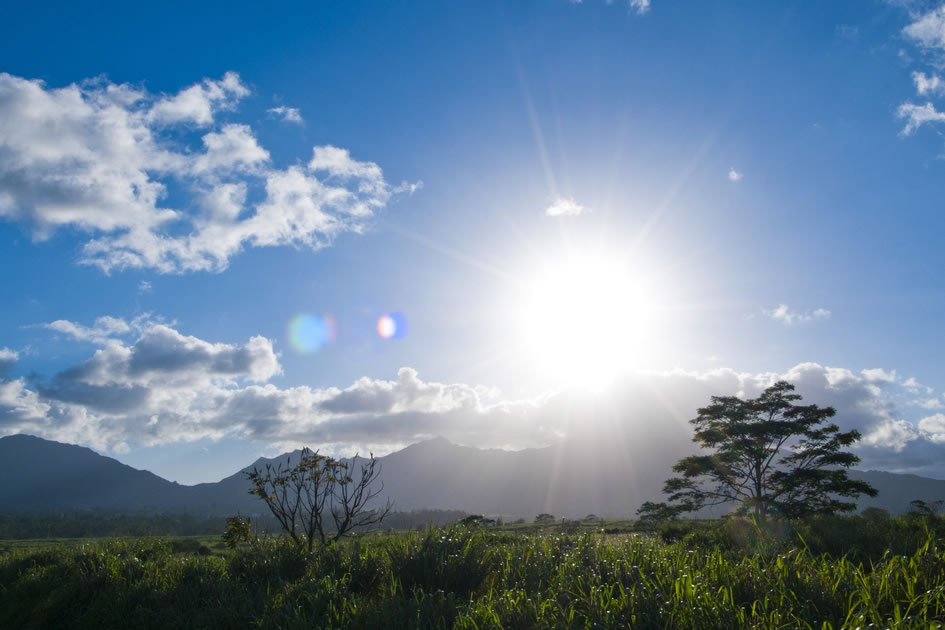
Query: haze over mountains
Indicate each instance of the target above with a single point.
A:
(569, 479)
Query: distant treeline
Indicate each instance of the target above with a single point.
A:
(99, 524)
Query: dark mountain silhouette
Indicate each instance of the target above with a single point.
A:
(607, 477)
(39, 474)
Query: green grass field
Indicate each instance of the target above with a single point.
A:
(509, 577)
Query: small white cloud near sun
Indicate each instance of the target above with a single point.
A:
(565, 208)
(734, 175)
(785, 315)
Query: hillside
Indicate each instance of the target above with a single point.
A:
(569, 479)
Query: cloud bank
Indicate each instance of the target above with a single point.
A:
(164, 181)
(147, 384)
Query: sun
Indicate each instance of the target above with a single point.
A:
(586, 319)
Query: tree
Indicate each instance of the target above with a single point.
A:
(771, 456)
(920, 508)
(544, 518)
(319, 499)
(239, 531)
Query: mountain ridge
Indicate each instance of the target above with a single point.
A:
(566, 479)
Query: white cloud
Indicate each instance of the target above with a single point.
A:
(784, 314)
(102, 330)
(874, 375)
(928, 30)
(288, 114)
(144, 287)
(928, 85)
(100, 157)
(930, 404)
(932, 428)
(734, 175)
(563, 207)
(200, 102)
(918, 115)
(234, 148)
(163, 386)
(892, 434)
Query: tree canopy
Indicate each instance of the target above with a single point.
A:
(769, 456)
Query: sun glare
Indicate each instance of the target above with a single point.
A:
(586, 320)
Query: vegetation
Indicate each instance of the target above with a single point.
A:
(320, 499)
(717, 575)
(101, 524)
(786, 559)
(771, 456)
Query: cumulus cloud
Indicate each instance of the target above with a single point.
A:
(784, 314)
(734, 175)
(104, 328)
(928, 85)
(892, 434)
(932, 428)
(918, 115)
(563, 207)
(200, 102)
(928, 29)
(288, 114)
(100, 157)
(915, 386)
(158, 385)
(873, 375)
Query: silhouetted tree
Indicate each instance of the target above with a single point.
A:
(918, 507)
(771, 456)
(319, 499)
(545, 518)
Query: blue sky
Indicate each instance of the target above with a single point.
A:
(768, 184)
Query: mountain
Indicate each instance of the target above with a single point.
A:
(607, 477)
(39, 474)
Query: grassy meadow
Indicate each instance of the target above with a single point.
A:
(844, 572)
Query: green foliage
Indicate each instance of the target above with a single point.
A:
(769, 456)
(238, 531)
(716, 576)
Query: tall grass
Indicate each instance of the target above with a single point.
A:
(470, 579)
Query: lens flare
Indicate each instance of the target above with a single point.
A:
(310, 333)
(392, 326)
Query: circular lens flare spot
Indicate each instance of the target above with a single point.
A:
(392, 326)
(310, 333)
